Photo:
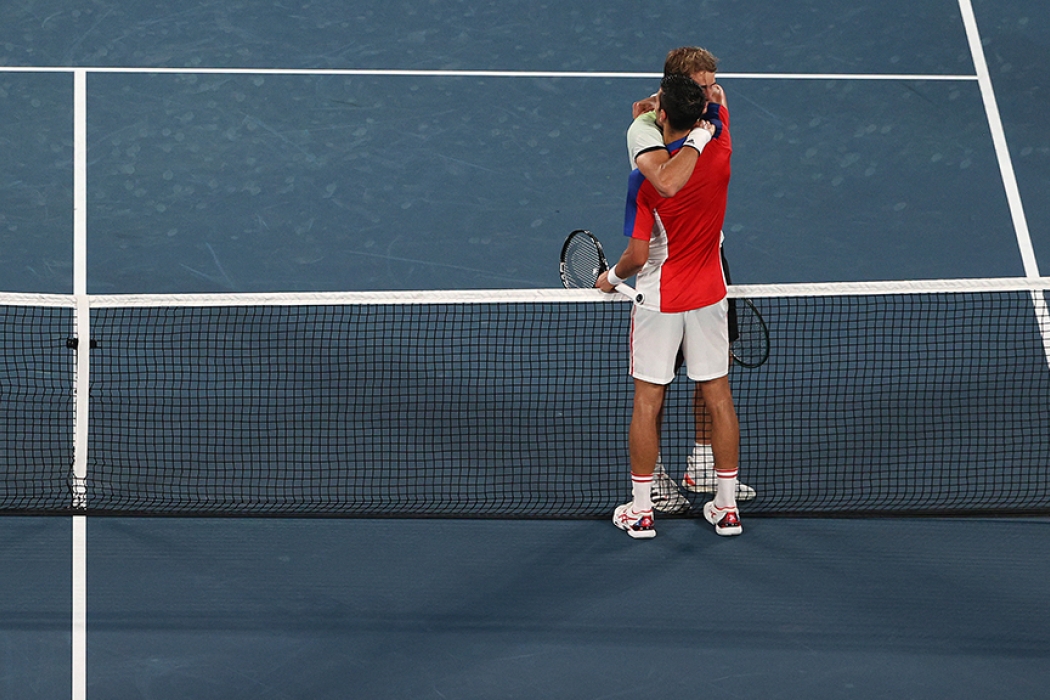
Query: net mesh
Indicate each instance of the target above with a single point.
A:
(36, 407)
(901, 403)
(870, 403)
(478, 409)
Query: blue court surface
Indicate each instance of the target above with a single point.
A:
(319, 146)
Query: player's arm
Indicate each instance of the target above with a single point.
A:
(648, 153)
(629, 264)
(667, 173)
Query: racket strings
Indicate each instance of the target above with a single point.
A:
(584, 263)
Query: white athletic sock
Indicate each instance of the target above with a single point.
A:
(642, 488)
(725, 493)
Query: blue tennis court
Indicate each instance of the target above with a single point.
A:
(235, 148)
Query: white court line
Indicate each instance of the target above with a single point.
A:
(478, 73)
(1006, 169)
(1002, 152)
(79, 607)
(80, 386)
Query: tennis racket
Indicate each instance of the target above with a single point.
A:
(748, 334)
(583, 261)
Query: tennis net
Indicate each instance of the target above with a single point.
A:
(902, 399)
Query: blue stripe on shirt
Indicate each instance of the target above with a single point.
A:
(634, 183)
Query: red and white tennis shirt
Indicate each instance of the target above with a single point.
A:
(684, 271)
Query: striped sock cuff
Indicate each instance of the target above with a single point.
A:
(727, 473)
(642, 491)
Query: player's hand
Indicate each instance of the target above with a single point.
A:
(706, 125)
(603, 283)
(649, 104)
(715, 93)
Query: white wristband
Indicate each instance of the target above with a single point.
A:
(698, 138)
(612, 277)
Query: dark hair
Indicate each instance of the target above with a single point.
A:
(682, 100)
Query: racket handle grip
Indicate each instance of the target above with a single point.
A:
(630, 292)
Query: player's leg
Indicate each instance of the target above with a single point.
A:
(722, 512)
(636, 517)
(701, 461)
(665, 494)
(725, 436)
(644, 440)
(706, 347)
(655, 338)
(700, 464)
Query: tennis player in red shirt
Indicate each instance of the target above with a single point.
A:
(674, 251)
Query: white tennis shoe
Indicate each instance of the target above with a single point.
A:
(725, 520)
(638, 524)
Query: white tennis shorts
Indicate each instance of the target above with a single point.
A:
(701, 334)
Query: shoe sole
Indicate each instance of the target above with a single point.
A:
(641, 534)
(728, 531)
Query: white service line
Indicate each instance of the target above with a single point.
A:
(612, 75)
(845, 76)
